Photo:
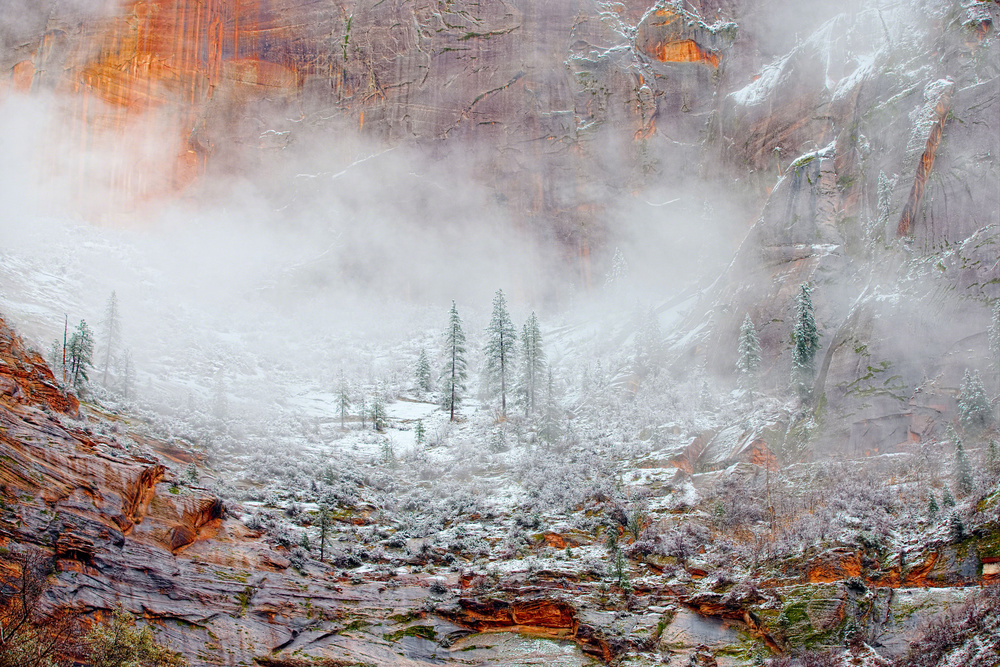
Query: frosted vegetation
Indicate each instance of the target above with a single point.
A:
(354, 460)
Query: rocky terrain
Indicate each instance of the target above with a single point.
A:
(655, 512)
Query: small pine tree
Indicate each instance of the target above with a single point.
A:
(455, 373)
(974, 410)
(532, 365)
(648, 344)
(126, 374)
(191, 474)
(419, 434)
(963, 471)
(549, 429)
(304, 543)
(111, 333)
(81, 351)
(932, 506)
(748, 355)
(387, 453)
(378, 410)
(993, 459)
(805, 338)
(343, 400)
(947, 499)
(422, 372)
(500, 351)
(956, 526)
(617, 272)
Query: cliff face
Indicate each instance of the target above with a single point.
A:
(539, 90)
(886, 203)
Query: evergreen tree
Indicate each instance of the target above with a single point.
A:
(974, 410)
(957, 526)
(126, 374)
(343, 399)
(81, 351)
(191, 474)
(455, 372)
(419, 434)
(500, 350)
(932, 506)
(806, 341)
(618, 271)
(423, 372)
(748, 355)
(993, 458)
(378, 411)
(532, 364)
(648, 344)
(947, 499)
(963, 471)
(549, 430)
(111, 333)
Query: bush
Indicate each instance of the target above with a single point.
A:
(121, 643)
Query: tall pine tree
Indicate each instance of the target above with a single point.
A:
(974, 410)
(343, 399)
(111, 334)
(963, 471)
(532, 364)
(805, 338)
(455, 371)
(500, 351)
(81, 351)
(748, 355)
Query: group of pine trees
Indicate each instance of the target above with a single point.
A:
(805, 345)
(510, 369)
(72, 359)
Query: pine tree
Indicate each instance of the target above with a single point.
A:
(947, 499)
(126, 374)
(455, 372)
(532, 365)
(963, 471)
(806, 341)
(191, 474)
(419, 434)
(343, 399)
(422, 372)
(648, 344)
(974, 410)
(957, 526)
(111, 333)
(81, 351)
(993, 458)
(932, 506)
(549, 430)
(378, 411)
(500, 350)
(748, 355)
(618, 271)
